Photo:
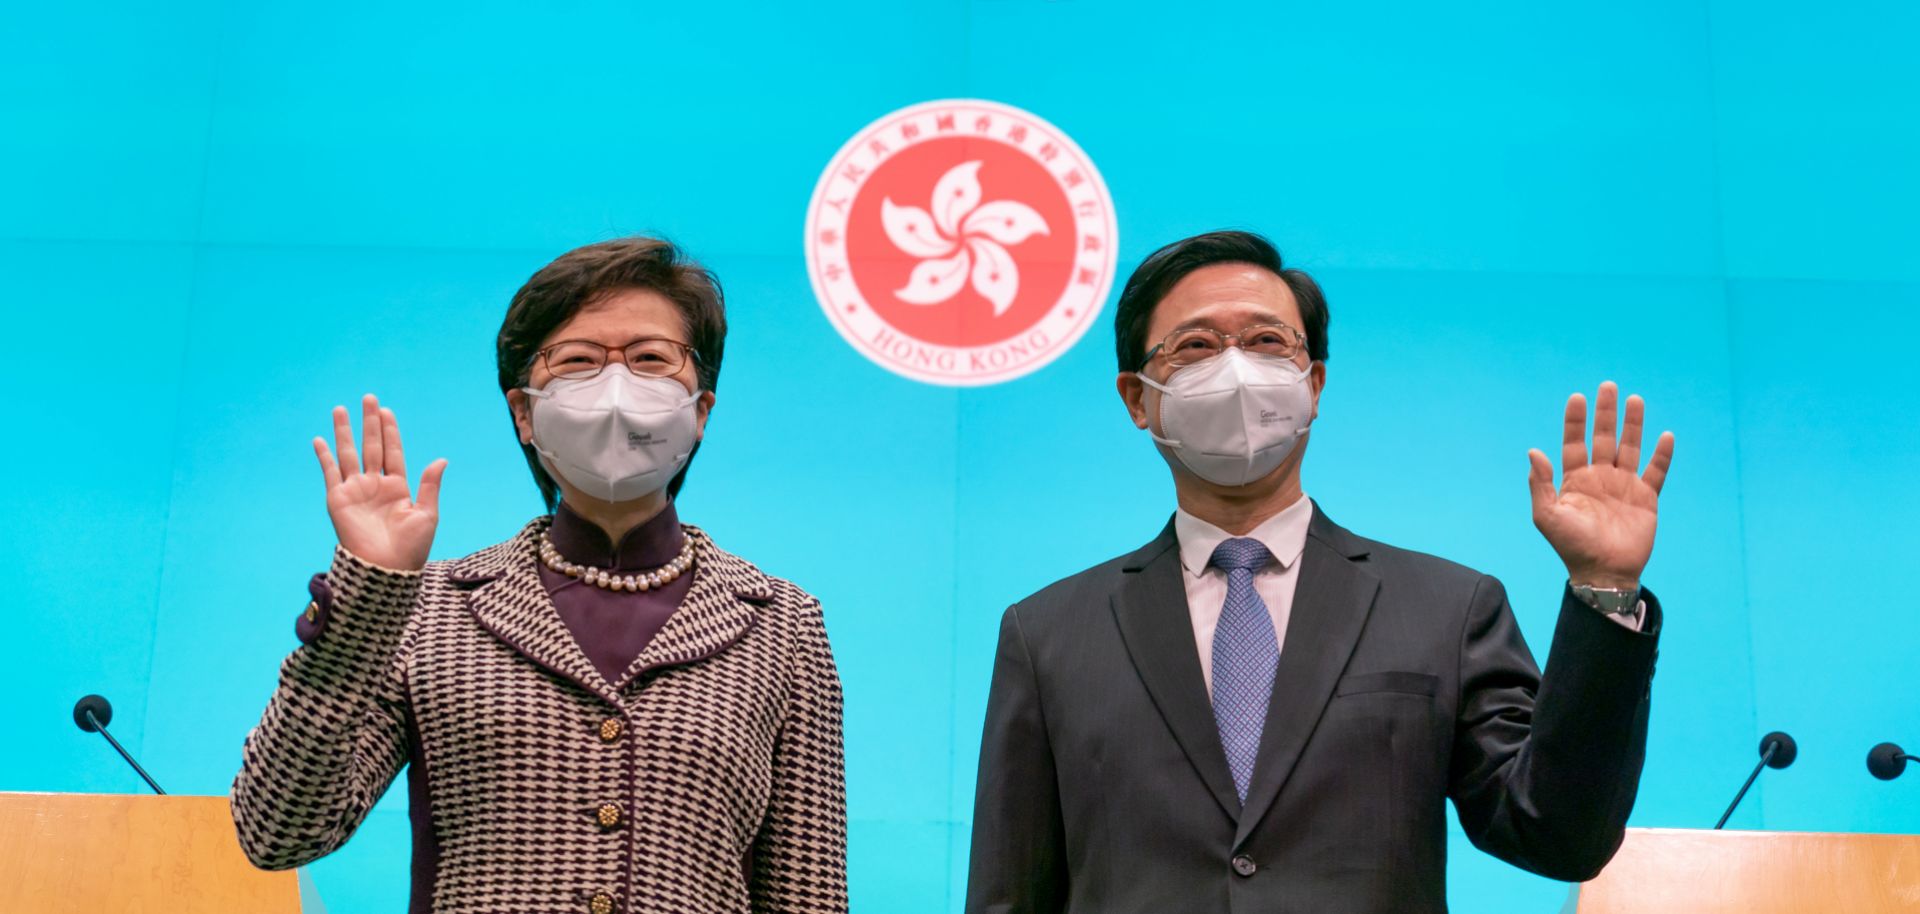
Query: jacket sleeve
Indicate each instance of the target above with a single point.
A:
(1019, 862)
(334, 734)
(799, 858)
(1545, 771)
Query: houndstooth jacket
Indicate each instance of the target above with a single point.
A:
(709, 779)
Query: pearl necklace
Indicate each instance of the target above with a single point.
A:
(601, 577)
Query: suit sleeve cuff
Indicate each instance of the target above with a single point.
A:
(1645, 621)
(358, 576)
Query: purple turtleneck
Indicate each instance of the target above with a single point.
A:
(613, 626)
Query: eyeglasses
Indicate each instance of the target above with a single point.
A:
(1197, 344)
(651, 357)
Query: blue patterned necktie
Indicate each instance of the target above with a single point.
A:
(1245, 653)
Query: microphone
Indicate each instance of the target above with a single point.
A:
(1777, 750)
(92, 714)
(1886, 761)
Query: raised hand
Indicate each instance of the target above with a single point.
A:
(374, 515)
(1602, 519)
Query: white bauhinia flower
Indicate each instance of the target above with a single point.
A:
(962, 239)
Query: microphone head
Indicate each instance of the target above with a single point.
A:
(101, 708)
(1886, 761)
(1785, 749)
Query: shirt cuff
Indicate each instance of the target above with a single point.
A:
(1633, 621)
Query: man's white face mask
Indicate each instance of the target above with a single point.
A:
(1235, 417)
(615, 436)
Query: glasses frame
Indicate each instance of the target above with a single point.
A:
(1292, 332)
(542, 356)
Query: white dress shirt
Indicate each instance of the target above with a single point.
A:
(1284, 534)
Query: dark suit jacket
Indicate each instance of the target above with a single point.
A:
(1403, 681)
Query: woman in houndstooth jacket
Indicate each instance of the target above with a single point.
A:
(607, 712)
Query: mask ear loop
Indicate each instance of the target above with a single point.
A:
(539, 394)
(1164, 391)
(533, 434)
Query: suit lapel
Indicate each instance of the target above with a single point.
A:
(715, 613)
(1332, 599)
(1151, 609)
(509, 601)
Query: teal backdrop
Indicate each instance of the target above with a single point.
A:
(217, 220)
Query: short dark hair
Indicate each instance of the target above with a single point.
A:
(1165, 268)
(588, 274)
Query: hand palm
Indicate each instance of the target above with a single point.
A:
(1603, 518)
(375, 515)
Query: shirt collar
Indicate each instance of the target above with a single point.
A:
(650, 545)
(1284, 535)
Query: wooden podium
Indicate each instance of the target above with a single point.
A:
(95, 853)
(1756, 872)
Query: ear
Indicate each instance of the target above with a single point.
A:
(522, 414)
(1134, 395)
(1318, 374)
(701, 408)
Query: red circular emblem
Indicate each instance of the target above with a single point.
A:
(961, 242)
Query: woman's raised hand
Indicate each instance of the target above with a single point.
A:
(374, 514)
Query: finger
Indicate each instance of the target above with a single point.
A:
(372, 456)
(1656, 474)
(329, 468)
(1604, 406)
(430, 486)
(1629, 456)
(1539, 480)
(343, 443)
(396, 463)
(1573, 446)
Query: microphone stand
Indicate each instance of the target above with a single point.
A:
(84, 716)
(1765, 757)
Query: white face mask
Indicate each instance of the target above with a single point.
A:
(1234, 418)
(614, 436)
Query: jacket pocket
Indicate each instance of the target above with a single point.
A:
(1410, 683)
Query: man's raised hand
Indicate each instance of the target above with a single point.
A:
(1602, 519)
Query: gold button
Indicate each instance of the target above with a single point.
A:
(609, 815)
(313, 612)
(610, 729)
(601, 904)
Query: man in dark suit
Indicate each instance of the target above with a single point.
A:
(1260, 711)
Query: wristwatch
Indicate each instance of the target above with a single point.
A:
(1609, 600)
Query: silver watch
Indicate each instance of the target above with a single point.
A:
(1609, 600)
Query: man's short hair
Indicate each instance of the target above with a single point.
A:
(586, 275)
(1164, 268)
